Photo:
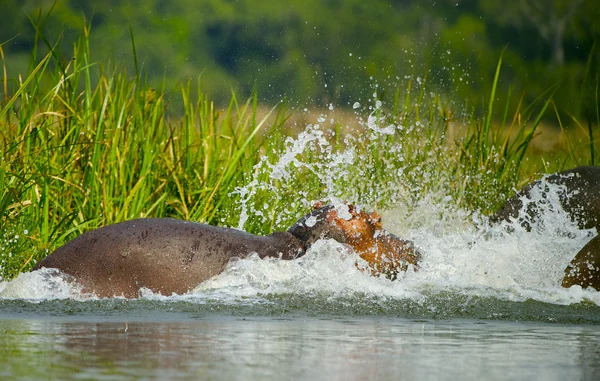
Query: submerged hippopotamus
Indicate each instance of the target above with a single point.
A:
(172, 256)
(579, 196)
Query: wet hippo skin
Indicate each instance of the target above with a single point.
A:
(581, 200)
(164, 255)
(584, 269)
(172, 256)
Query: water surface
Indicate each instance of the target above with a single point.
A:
(225, 347)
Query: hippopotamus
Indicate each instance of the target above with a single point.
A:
(579, 196)
(584, 269)
(170, 256)
(385, 253)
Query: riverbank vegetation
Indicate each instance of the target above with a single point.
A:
(319, 52)
(87, 143)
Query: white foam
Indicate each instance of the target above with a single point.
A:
(328, 267)
(515, 267)
(461, 253)
(42, 284)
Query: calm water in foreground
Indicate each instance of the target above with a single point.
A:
(284, 339)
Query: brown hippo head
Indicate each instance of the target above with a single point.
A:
(384, 252)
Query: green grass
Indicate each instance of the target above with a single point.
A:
(79, 153)
(84, 145)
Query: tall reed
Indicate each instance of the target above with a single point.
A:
(83, 146)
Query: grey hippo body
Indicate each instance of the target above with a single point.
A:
(579, 196)
(164, 255)
(172, 256)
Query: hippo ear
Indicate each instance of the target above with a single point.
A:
(318, 205)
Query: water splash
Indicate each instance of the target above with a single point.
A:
(367, 163)
(41, 285)
(462, 252)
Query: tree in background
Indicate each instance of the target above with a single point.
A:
(550, 18)
(335, 51)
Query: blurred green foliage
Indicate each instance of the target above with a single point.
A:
(331, 51)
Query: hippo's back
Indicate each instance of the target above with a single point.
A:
(164, 255)
(580, 197)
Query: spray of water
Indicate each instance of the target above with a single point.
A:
(462, 251)
(40, 285)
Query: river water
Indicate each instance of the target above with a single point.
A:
(190, 345)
